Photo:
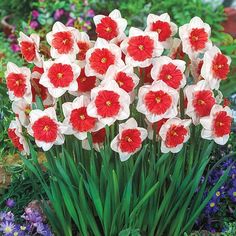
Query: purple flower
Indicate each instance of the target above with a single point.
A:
(10, 202)
(70, 22)
(32, 216)
(234, 182)
(35, 14)
(232, 194)
(15, 47)
(43, 229)
(212, 207)
(34, 24)
(90, 13)
(58, 14)
(8, 216)
(7, 228)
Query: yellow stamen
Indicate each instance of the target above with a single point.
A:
(141, 47)
(157, 99)
(108, 29)
(59, 75)
(82, 117)
(46, 128)
(212, 204)
(104, 60)
(108, 103)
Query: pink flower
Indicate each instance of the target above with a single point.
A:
(163, 26)
(30, 48)
(174, 133)
(62, 40)
(101, 57)
(129, 140)
(109, 103)
(215, 67)
(140, 47)
(169, 71)
(60, 76)
(77, 120)
(18, 82)
(157, 101)
(200, 100)
(110, 27)
(217, 126)
(17, 138)
(195, 37)
(45, 128)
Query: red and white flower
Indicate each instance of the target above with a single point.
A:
(77, 120)
(84, 44)
(110, 27)
(62, 40)
(140, 47)
(151, 127)
(29, 47)
(60, 76)
(129, 140)
(200, 100)
(22, 109)
(195, 69)
(215, 67)
(174, 133)
(45, 128)
(18, 140)
(176, 51)
(85, 84)
(195, 37)
(157, 101)
(109, 103)
(217, 126)
(169, 71)
(40, 91)
(98, 139)
(18, 82)
(124, 77)
(163, 26)
(101, 57)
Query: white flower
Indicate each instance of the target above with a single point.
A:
(101, 57)
(157, 101)
(109, 103)
(60, 76)
(110, 27)
(124, 77)
(174, 133)
(62, 40)
(30, 48)
(140, 47)
(163, 26)
(169, 71)
(18, 82)
(215, 67)
(77, 119)
(45, 128)
(217, 125)
(22, 109)
(200, 100)
(129, 140)
(195, 37)
(18, 140)
(84, 44)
